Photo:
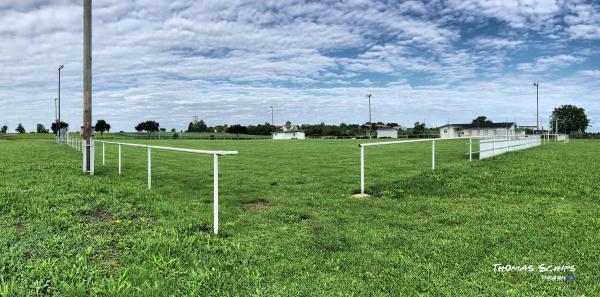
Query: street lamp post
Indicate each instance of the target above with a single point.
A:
(370, 120)
(272, 120)
(58, 124)
(56, 116)
(537, 104)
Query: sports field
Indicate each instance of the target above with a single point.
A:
(289, 223)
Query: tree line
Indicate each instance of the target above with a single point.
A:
(569, 118)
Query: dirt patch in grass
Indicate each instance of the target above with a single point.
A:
(19, 226)
(100, 215)
(304, 217)
(256, 204)
(205, 229)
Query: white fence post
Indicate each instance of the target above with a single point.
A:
(103, 154)
(362, 169)
(149, 168)
(470, 149)
(149, 151)
(216, 194)
(92, 156)
(119, 159)
(84, 156)
(494, 145)
(433, 155)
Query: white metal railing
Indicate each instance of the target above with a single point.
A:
(364, 145)
(75, 143)
(496, 146)
(433, 141)
(149, 148)
(555, 137)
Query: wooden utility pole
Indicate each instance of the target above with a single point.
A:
(88, 155)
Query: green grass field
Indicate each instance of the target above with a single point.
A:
(289, 223)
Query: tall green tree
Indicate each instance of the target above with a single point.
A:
(570, 119)
(4, 129)
(260, 129)
(62, 125)
(481, 121)
(148, 126)
(419, 128)
(197, 126)
(237, 129)
(20, 129)
(102, 126)
(41, 128)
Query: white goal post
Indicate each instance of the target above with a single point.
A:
(149, 148)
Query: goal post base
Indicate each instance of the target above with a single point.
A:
(359, 195)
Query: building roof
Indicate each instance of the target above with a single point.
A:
(298, 131)
(482, 126)
(387, 129)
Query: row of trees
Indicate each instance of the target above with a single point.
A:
(321, 129)
(570, 119)
(148, 127)
(101, 126)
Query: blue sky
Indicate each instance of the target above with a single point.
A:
(315, 61)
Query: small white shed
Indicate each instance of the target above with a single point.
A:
(289, 135)
(387, 133)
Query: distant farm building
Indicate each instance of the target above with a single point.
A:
(288, 132)
(483, 129)
(289, 135)
(387, 133)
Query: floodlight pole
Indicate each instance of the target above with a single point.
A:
(272, 117)
(537, 104)
(88, 155)
(56, 116)
(58, 126)
(370, 120)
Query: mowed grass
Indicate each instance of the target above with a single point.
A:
(289, 225)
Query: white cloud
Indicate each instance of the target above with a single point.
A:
(497, 43)
(517, 13)
(583, 20)
(549, 63)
